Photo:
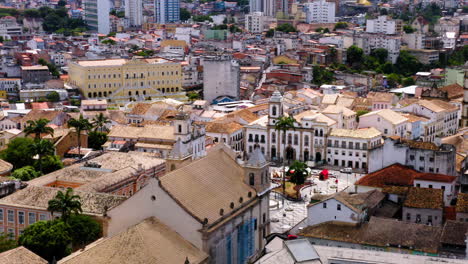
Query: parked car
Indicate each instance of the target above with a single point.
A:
(346, 170)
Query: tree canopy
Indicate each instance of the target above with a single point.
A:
(96, 139)
(297, 172)
(18, 152)
(38, 127)
(25, 173)
(66, 203)
(286, 27)
(185, 14)
(354, 55)
(53, 97)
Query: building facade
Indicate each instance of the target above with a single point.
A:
(381, 24)
(167, 11)
(320, 11)
(96, 15)
(120, 80)
(134, 12)
(221, 78)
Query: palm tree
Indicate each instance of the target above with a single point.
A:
(284, 124)
(42, 148)
(99, 122)
(80, 124)
(38, 127)
(65, 203)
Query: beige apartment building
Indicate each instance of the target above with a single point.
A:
(122, 80)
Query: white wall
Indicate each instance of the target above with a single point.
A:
(448, 192)
(140, 206)
(316, 214)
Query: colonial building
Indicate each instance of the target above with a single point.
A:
(122, 80)
(421, 156)
(219, 204)
(388, 122)
(424, 206)
(350, 148)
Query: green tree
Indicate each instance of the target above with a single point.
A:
(321, 75)
(407, 64)
(354, 55)
(270, 33)
(192, 96)
(286, 27)
(42, 148)
(386, 68)
(109, 42)
(202, 18)
(51, 163)
(99, 123)
(26, 173)
(83, 230)
(326, 30)
(53, 97)
(297, 172)
(67, 204)
(380, 54)
(18, 152)
(48, 239)
(408, 81)
(81, 124)
(61, 3)
(408, 29)
(459, 57)
(360, 113)
(38, 127)
(96, 139)
(393, 79)
(341, 25)
(6, 243)
(185, 14)
(284, 124)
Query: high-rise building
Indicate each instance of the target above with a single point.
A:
(267, 7)
(221, 78)
(255, 22)
(96, 15)
(382, 24)
(134, 12)
(320, 11)
(167, 11)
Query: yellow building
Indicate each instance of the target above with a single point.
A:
(122, 80)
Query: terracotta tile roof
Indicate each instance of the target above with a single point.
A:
(453, 90)
(336, 109)
(381, 97)
(21, 255)
(393, 175)
(147, 132)
(437, 105)
(454, 233)
(37, 197)
(389, 115)
(398, 190)
(227, 128)
(425, 198)
(36, 114)
(462, 203)
(209, 184)
(435, 177)
(380, 232)
(140, 109)
(150, 241)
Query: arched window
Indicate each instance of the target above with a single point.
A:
(273, 111)
(273, 137)
(296, 139)
(321, 132)
(251, 178)
(289, 139)
(179, 128)
(306, 140)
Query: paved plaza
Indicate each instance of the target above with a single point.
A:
(283, 218)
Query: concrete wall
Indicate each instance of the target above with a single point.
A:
(316, 214)
(410, 214)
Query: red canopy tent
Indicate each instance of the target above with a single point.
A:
(324, 175)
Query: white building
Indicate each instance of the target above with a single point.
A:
(350, 148)
(382, 24)
(134, 12)
(256, 22)
(445, 183)
(443, 117)
(388, 122)
(320, 11)
(421, 156)
(11, 86)
(343, 207)
(345, 117)
(9, 27)
(96, 15)
(370, 41)
(221, 78)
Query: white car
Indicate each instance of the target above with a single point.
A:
(346, 170)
